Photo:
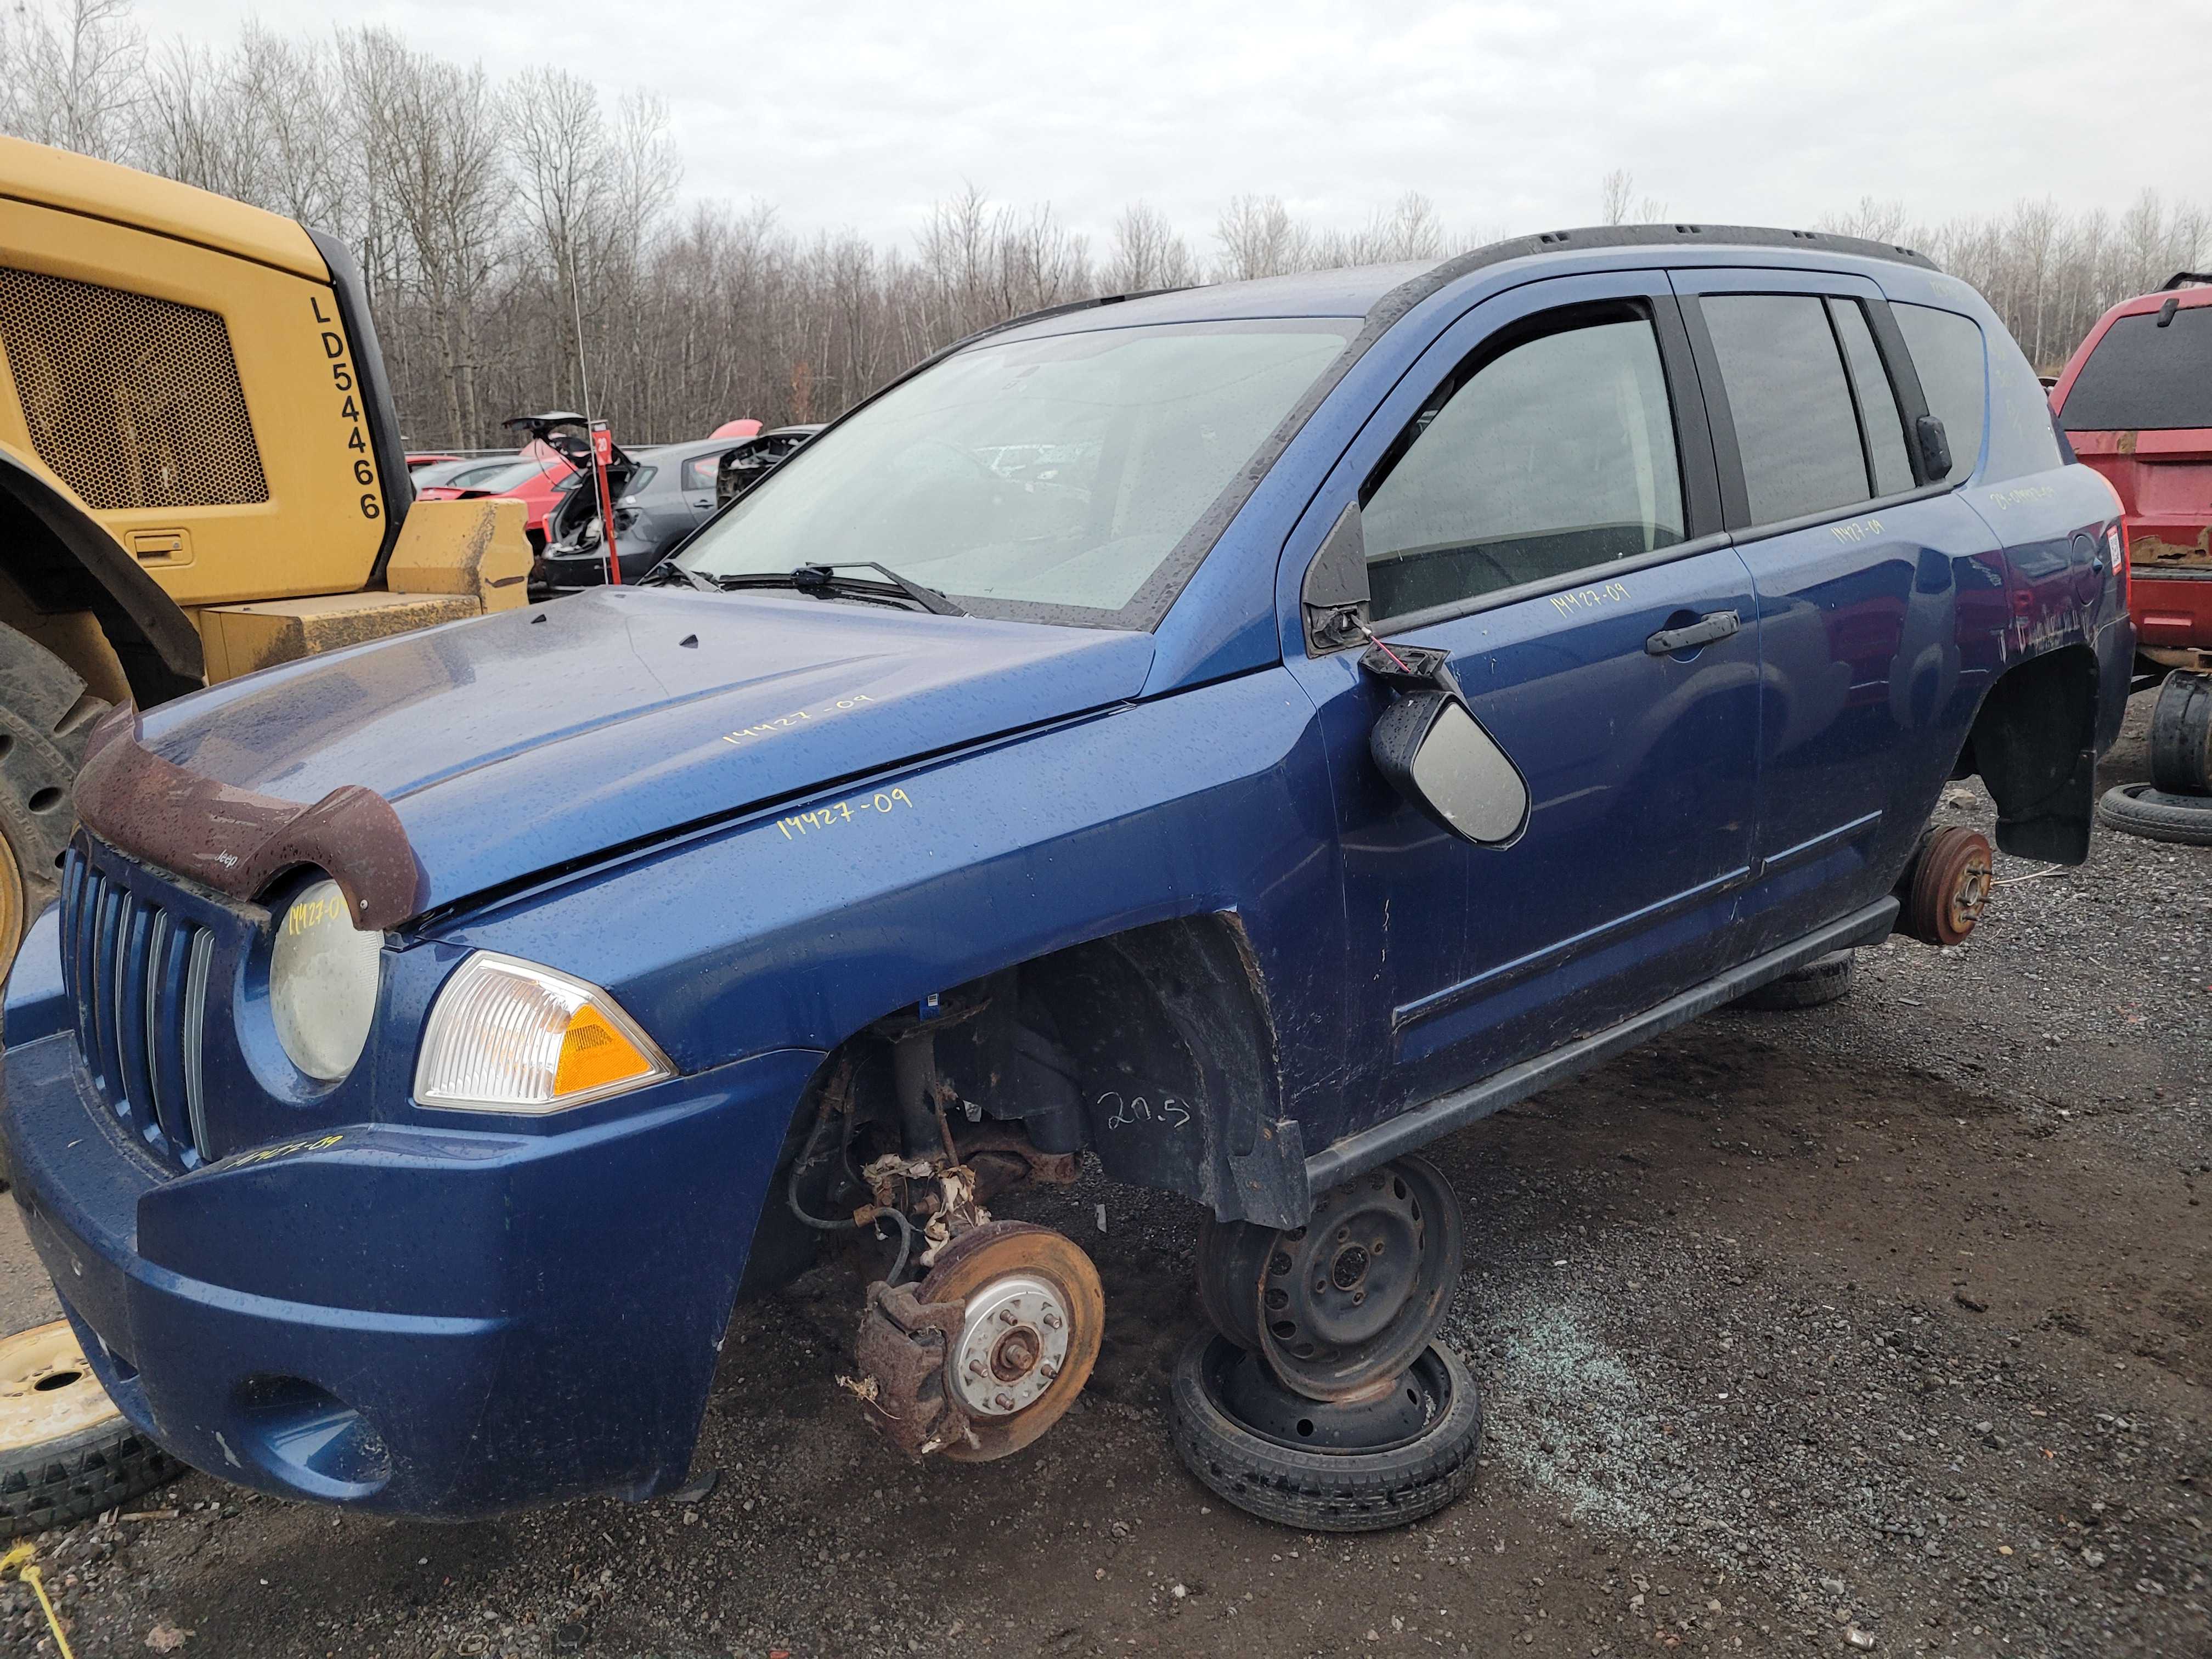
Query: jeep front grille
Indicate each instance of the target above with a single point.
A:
(138, 977)
(133, 402)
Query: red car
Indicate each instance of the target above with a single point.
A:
(2135, 401)
(537, 480)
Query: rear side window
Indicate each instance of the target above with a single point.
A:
(2142, 377)
(1797, 426)
(1878, 411)
(1946, 354)
(1553, 456)
(699, 472)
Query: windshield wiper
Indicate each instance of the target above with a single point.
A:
(822, 580)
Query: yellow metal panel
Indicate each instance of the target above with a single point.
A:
(101, 189)
(477, 548)
(241, 638)
(295, 368)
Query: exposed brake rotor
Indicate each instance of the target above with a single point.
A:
(1034, 1314)
(1951, 882)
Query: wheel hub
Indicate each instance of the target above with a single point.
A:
(1014, 1344)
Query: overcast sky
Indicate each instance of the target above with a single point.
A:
(851, 112)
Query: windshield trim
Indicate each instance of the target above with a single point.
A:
(1148, 608)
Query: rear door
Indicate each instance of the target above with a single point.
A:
(1881, 597)
(1537, 499)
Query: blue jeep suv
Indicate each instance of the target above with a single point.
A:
(1238, 734)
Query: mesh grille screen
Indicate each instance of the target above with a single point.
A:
(133, 401)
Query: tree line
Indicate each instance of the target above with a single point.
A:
(524, 246)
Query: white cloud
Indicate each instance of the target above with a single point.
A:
(857, 113)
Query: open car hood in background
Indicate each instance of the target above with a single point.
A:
(530, 739)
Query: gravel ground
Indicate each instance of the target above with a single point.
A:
(1880, 1325)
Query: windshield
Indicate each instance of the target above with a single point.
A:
(1059, 472)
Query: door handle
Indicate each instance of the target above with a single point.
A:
(1716, 625)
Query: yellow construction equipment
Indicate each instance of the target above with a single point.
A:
(201, 473)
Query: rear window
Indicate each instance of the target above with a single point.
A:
(1946, 354)
(2142, 377)
(1796, 429)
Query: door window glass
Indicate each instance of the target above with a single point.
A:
(1554, 456)
(699, 472)
(1946, 354)
(1794, 426)
(1885, 427)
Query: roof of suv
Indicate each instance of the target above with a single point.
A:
(1382, 293)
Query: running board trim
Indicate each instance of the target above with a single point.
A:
(1416, 1126)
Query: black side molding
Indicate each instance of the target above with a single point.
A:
(1412, 1129)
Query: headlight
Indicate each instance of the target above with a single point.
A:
(322, 982)
(510, 1037)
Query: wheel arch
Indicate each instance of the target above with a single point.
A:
(63, 561)
(1152, 1045)
(2033, 742)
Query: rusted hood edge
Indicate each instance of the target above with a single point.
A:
(237, 842)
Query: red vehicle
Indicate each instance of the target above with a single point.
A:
(2135, 400)
(537, 481)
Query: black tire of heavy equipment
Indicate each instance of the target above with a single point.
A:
(64, 1481)
(2181, 736)
(1323, 1491)
(45, 715)
(1824, 979)
(2184, 820)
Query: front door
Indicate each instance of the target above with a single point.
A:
(1536, 500)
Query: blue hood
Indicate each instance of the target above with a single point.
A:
(525, 740)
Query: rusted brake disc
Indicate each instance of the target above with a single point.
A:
(1951, 881)
(1035, 1311)
(986, 1352)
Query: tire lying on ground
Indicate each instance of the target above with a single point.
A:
(1824, 979)
(1327, 1491)
(2155, 815)
(66, 1453)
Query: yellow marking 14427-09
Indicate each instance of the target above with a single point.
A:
(842, 811)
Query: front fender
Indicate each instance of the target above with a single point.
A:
(799, 924)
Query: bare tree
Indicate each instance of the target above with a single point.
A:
(71, 75)
(1259, 238)
(1147, 253)
(491, 219)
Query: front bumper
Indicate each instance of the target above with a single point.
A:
(408, 1319)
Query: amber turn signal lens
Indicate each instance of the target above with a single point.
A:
(594, 1053)
(505, 1036)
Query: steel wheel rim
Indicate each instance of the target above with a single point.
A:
(47, 1390)
(1312, 1275)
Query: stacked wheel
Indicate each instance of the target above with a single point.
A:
(66, 1453)
(1321, 1399)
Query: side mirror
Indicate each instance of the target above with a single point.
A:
(1935, 448)
(1435, 753)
